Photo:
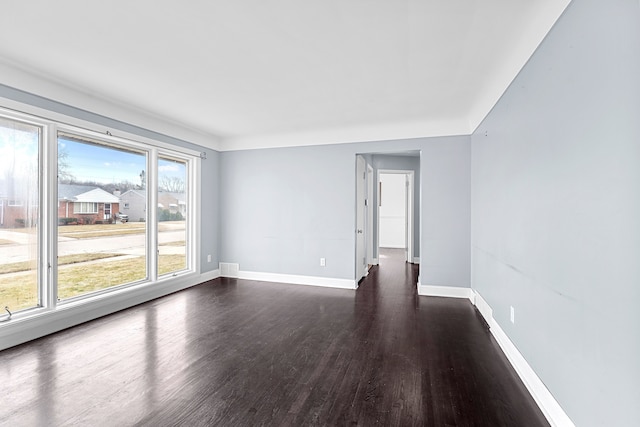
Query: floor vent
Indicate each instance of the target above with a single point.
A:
(229, 269)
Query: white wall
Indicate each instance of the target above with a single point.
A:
(392, 212)
(556, 212)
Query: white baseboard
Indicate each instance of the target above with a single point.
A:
(540, 393)
(210, 275)
(445, 291)
(416, 260)
(299, 280)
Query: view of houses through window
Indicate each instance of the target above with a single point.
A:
(103, 221)
(98, 247)
(172, 210)
(19, 192)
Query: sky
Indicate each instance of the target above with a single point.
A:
(89, 162)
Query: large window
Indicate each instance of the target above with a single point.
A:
(20, 144)
(95, 250)
(65, 235)
(172, 215)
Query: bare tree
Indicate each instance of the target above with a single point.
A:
(171, 184)
(64, 175)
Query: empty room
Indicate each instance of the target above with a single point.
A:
(411, 212)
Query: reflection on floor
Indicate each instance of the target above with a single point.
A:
(236, 352)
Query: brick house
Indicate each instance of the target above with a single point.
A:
(87, 204)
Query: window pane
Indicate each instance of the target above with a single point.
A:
(172, 215)
(19, 192)
(99, 247)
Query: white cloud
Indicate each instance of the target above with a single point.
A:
(168, 168)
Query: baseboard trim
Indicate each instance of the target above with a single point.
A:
(445, 291)
(416, 260)
(293, 279)
(540, 393)
(210, 275)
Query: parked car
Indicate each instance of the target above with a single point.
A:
(122, 217)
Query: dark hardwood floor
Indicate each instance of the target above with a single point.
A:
(235, 353)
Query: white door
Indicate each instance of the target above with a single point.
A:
(361, 177)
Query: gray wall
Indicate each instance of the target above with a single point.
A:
(283, 209)
(556, 208)
(209, 171)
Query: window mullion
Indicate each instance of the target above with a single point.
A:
(152, 214)
(49, 234)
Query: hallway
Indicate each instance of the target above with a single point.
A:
(235, 352)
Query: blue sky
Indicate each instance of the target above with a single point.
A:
(88, 162)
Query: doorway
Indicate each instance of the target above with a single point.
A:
(368, 166)
(395, 211)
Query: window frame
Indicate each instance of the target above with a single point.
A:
(51, 124)
(42, 252)
(92, 212)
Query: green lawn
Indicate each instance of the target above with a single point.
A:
(104, 230)
(18, 291)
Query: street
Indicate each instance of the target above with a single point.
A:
(25, 247)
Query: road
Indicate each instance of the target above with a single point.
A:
(25, 247)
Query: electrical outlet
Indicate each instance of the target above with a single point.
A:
(209, 258)
(513, 315)
(323, 262)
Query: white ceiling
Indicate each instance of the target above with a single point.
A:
(255, 73)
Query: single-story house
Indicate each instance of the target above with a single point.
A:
(86, 203)
(134, 203)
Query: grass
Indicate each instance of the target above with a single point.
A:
(16, 267)
(104, 230)
(101, 230)
(20, 291)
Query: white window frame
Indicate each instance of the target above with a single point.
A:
(51, 123)
(43, 279)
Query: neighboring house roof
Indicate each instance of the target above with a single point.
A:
(129, 193)
(85, 193)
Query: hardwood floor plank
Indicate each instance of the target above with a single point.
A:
(236, 352)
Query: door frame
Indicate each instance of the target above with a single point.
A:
(361, 270)
(371, 260)
(409, 206)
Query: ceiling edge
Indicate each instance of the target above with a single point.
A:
(35, 83)
(349, 134)
(505, 76)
